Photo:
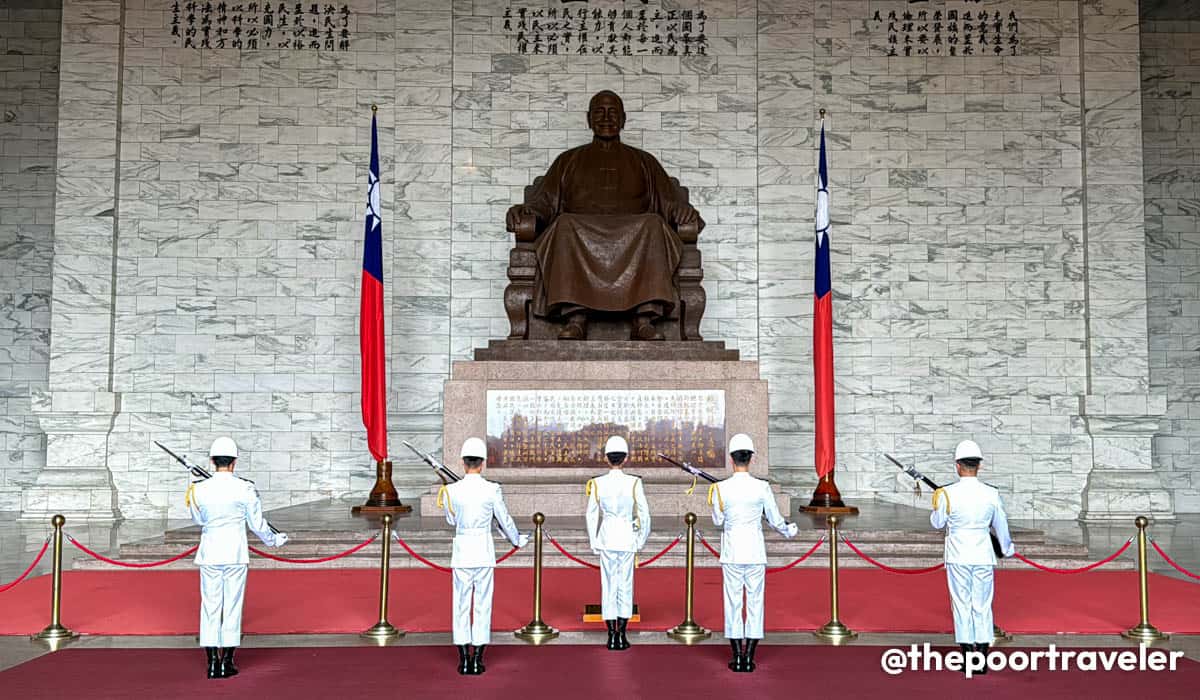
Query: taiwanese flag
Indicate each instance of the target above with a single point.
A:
(823, 326)
(374, 371)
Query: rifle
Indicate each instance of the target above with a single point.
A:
(696, 472)
(197, 471)
(444, 473)
(912, 471)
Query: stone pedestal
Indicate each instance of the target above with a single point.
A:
(559, 491)
(1123, 484)
(76, 481)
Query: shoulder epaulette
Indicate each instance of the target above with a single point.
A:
(938, 495)
(591, 490)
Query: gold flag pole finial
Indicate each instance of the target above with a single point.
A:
(375, 108)
(822, 113)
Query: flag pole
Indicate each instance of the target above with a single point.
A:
(383, 498)
(826, 498)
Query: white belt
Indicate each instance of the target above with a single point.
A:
(474, 531)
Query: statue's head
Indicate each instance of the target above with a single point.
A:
(606, 115)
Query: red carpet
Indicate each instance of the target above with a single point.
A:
(646, 671)
(344, 600)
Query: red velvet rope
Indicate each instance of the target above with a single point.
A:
(129, 565)
(321, 560)
(1081, 569)
(708, 546)
(26, 572)
(658, 556)
(806, 555)
(570, 556)
(439, 567)
(1162, 554)
(420, 558)
(885, 567)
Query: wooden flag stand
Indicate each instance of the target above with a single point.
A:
(827, 500)
(383, 498)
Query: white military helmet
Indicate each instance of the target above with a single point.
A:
(967, 449)
(616, 443)
(740, 442)
(473, 447)
(223, 447)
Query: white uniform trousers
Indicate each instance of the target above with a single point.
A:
(971, 590)
(222, 590)
(473, 627)
(748, 578)
(616, 584)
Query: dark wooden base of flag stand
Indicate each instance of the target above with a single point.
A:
(383, 498)
(827, 500)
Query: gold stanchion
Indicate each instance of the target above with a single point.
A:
(55, 635)
(688, 632)
(537, 631)
(1143, 631)
(383, 632)
(834, 631)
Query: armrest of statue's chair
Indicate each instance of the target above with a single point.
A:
(683, 323)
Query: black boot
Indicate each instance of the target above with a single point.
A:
(228, 670)
(966, 650)
(748, 656)
(983, 649)
(477, 662)
(612, 634)
(736, 664)
(214, 662)
(464, 659)
(622, 640)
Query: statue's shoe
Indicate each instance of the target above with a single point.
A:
(573, 331)
(645, 330)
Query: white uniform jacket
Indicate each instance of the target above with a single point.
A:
(967, 508)
(739, 505)
(470, 505)
(222, 505)
(618, 517)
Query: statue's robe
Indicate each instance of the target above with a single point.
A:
(608, 244)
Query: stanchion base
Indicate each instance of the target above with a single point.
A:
(688, 632)
(382, 633)
(55, 637)
(835, 633)
(999, 636)
(536, 633)
(1145, 633)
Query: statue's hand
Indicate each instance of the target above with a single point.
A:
(516, 213)
(688, 216)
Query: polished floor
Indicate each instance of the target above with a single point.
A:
(20, 541)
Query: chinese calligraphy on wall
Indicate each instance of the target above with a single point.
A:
(950, 32)
(629, 31)
(529, 428)
(197, 24)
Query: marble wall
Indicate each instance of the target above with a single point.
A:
(985, 209)
(1170, 35)
(29, 40)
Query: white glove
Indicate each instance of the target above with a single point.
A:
(522, 539)
(792, 530)
(281, 539)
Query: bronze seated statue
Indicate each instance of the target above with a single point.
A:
(605, 245)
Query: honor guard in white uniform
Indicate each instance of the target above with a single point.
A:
(470, 506)
(618, 524)
(739, 505)
(968, 509)
(223, 505)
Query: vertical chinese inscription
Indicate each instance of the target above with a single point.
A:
(204, 24)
